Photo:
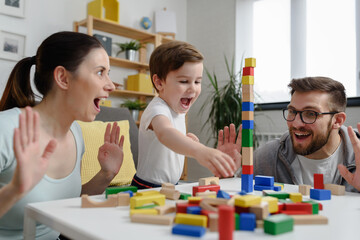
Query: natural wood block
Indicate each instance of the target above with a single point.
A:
(170, 193)
(247, 156)
(247, 115)
(112, 201)
(162, 210)
(213, 222)
(206, 194)
(168, 185)
(152, 219)
(209, 181)
(304, 189)
(261, 211)
(247, 97)
(247, 88)
(309, 219)
(335, 189)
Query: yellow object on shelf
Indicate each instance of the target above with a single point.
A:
(139, 82)
(106, 103)
(96, 8)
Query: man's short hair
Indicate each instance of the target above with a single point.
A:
(334, 88)
(171, 56)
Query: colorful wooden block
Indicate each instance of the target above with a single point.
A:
(247, 115)
(247, 80)
(250, 62)
(281, 185)
(185, 196)
(193, 210)
(246, 183)
(222, 194)
(315, 206)
(272, 203)
(247, 97)
(188, 230)
(248, 71)
(209, 181)
(248, 169)
(264, 180)
(147, 193)
(196, 189)
(226, 222)
(191, 219)
(115, 190)
(247, 124)
(295, 197)
(247, 156)
(320, 194)
(277, 224)
(143, 211)
(261, 187)
(304, 189)
(297, 208)
(137, 201)
(207, 194)
(278, 195)
(318, 181)
(194, 200)
(146, 206)
(181, 207)
(277, 188)
(335, 189)
(247, 137)
(247, 200)
(247, 106)
(247, 221)
(104, 9)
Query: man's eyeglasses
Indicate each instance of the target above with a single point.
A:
(306, 116)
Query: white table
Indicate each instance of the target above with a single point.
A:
(67, 217)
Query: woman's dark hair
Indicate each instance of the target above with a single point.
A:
(67, 49)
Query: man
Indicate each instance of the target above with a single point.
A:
(317, 141)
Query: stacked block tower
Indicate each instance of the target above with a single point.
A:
(247, 124)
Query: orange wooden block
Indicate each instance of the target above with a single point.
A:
(247, 97)
(247, 115)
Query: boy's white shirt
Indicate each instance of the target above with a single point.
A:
(157, 163)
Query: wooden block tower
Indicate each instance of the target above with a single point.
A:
(247, 124)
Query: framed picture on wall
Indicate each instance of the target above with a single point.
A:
(12, 46)
(14, 8)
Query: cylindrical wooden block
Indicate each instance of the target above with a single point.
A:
(226, 222)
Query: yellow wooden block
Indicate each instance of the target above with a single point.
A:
(247, 200)
(138, 201)
(247, 80)
(247, 156)
(191, 219)
(295, 197)
(96, 8)
(272, 203)
(247, 115)
(281, 185)
(195, 200)
(151, 211)
(139, 82)
(147, 193)
(250, 62)
(106, 103)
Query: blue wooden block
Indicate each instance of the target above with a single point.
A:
(261, 187)
(247, 124)
(320, 194)
(131, 193)
(222, 194)
(247, 221)
(188, 230)
(242, 193)
(193, 210)
(247, 182)
(277, 188)
(264, 180)
(247, 106)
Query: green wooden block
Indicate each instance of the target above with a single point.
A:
(278, 195)
(247, 137)
(115, 190)
(285, 201)
(184, 196)
(315, 206)
(277, 224)
(147, 206)
(237, 221)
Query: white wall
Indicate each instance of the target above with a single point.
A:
(211, 29)
(44, 17)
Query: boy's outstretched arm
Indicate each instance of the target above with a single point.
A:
(219, 163)
(353, 178)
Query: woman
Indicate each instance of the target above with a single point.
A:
(42, 145)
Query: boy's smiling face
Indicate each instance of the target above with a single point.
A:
(182, 86)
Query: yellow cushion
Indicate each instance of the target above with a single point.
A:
(93, 134)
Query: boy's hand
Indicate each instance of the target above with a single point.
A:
(228, 145)
(111, 154)
(193, 137)
(219, 163)
(353, 178)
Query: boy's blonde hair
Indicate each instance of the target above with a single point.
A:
(170, 57)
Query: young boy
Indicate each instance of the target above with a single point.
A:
(176, 70)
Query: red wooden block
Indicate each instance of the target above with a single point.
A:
(294, 212)
(281, 207)
(320, 206)
(182, 207)
(239, 210)
(305, 208)
(204, 188)
(248, 71)
(318, 181)
(226, 222)
(248, 169)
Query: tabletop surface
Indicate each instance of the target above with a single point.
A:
(67, 215)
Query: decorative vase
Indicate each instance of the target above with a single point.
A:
(130, 54)
(135, 114)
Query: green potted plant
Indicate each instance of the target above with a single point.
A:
(225, 101)
(135, 107)
(130, 49)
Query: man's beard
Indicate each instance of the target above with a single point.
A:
(316, 143)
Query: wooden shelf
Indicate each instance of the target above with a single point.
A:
(128, 93)
(121, 62)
